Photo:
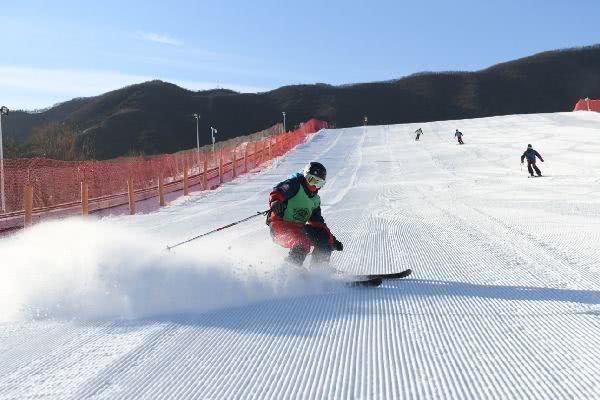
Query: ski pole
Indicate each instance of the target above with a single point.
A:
(219, 229)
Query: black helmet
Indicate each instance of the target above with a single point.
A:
(316, 169)
(529, 146)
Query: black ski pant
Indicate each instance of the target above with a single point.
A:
(531, 166)
(417, 138)
(319, 239)
(460, 140)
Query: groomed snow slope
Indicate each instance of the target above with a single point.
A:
(504, 301)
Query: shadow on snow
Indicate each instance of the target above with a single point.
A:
(304, 316)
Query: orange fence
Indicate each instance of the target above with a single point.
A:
(74, 187)
(587, 105)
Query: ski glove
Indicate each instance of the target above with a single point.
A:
(337, 245)
(278, 208)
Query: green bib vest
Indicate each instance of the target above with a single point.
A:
(300, 207)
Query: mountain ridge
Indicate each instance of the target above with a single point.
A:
(156, 117)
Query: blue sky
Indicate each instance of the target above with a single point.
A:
(54, 51)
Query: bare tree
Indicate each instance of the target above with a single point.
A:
(59, 140)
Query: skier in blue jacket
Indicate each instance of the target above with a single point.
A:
(531, 154)
(459, 136)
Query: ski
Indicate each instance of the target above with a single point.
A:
(395, 275)
(377, 280)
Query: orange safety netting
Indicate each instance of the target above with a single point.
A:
(57, 185)
(587, 105)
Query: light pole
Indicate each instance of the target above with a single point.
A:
(283, 112)
(197, 116)
(212, 135)
(3, 111)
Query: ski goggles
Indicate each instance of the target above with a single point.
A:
(315, 181)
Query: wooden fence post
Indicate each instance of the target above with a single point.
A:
(186, 185)
(255, 154)
(28, 204)
(270, 154)
(215, 161)
(130, 190)
(161, 191)
(221, 166)
(85, 203)
(205, 177)
(234, 163)
(259, 153)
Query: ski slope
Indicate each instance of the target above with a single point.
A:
(503, 303)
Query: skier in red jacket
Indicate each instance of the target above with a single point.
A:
(295, 217)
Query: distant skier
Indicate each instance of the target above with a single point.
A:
(531, 154)
(459, 135)
(295, 219)
(419, 132)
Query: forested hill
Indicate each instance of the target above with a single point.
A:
(156, 117)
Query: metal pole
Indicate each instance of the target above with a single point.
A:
(258, 213)
(197, 116)
(212, 134)
(283, 121)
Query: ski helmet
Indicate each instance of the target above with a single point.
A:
(315, 174)
(529, 146)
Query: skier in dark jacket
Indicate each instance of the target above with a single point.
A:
(419, 132)
(295, 219)
(459, 135)
(531, 154)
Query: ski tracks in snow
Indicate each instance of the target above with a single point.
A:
(503, 301)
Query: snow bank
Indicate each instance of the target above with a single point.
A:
(76, 269)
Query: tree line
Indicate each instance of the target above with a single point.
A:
(55, 140)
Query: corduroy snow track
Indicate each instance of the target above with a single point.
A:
(503, 301)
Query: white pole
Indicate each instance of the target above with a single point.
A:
(587, 99)
(197, 116)
(212, 134)
(2, 166)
